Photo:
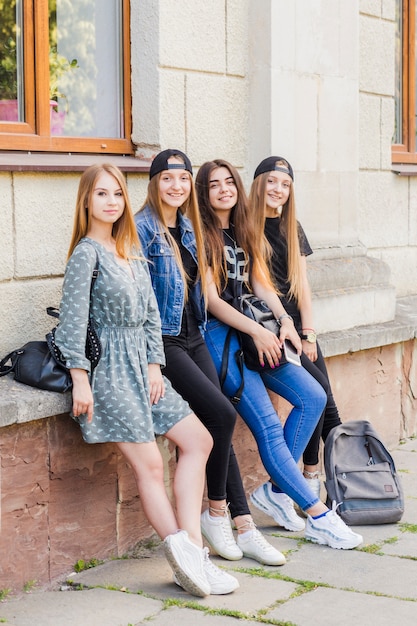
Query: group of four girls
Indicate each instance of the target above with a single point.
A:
(164, 296)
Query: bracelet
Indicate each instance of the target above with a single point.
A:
(284, 316)
(312, 329)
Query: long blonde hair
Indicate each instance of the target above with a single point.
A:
(188, 209)
(288, 225)
(124, 230)
(244, 230)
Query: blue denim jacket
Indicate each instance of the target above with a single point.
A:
(166, 277)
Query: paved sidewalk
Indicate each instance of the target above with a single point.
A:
(375, 584)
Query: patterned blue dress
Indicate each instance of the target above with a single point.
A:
(126, 317)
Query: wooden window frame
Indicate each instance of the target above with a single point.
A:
(406, 152)
(35, 133)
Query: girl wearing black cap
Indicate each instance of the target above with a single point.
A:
(169, 228)
(238, 266)
(272, 201)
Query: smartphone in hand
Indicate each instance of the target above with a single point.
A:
(289, 354)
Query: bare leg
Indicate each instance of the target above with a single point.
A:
(194, 443)
(317, 509)
(147, 465)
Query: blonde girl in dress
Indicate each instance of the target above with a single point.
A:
(127, 401)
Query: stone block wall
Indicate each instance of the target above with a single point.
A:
(63, 500)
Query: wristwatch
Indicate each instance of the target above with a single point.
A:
(310, 337)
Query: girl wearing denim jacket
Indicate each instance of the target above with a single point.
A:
(238, 266)
(169, 229)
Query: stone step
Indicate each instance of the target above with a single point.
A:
(344, 308)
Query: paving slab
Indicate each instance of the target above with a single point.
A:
(332, 607)
(405, 546)
(353, 569)
(155, 579)
(189, 617)
(94, 607)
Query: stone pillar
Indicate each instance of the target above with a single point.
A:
(304, 77)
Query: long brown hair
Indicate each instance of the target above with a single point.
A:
(241, 218)
(287, 224)
(190, 210)
(124, 230)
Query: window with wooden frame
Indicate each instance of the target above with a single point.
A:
(404, 148)
(65, 76)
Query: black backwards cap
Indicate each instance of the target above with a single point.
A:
(269, 165)
(160, 162)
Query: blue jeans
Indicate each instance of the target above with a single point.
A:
(280, 448)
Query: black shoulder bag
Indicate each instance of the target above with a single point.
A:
(257, 310)
(40, 364)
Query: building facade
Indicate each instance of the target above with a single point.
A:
(314, 82)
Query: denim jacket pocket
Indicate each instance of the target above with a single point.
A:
(160, 255)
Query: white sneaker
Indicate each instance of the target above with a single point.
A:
(254, 545)
(219, 534)
(221, 582)
(278, 505)
(187, 562)
(331, 530)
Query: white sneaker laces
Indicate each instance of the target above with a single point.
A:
(208, 565)
(260, 540)
(336, 519)
(224, 524)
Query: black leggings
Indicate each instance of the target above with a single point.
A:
(191, 371)
(330, 416)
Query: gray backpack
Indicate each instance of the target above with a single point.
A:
(361, 476)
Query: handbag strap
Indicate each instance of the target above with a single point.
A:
(12, 356)
(54, 312)
(235, 399)
(93, 278)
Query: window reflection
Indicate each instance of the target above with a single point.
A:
(11, 62)
(85, 68)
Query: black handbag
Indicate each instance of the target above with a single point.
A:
(33, 364)
(257, 310)
(40, 364)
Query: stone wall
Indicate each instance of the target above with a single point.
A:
(64, 500)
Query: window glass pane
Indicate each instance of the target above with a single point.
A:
(86, 69)
(398, 72)
(11, 61)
